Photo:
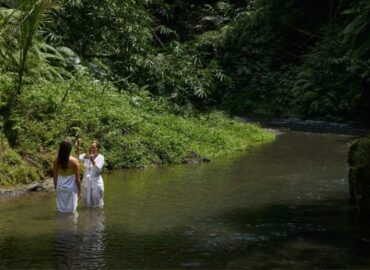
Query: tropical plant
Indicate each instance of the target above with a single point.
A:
(21, 21)
(357, 29)
(328, 83)
(22, 49)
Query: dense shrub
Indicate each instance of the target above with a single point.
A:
(134, 129)
(14, 169)
(329, 84)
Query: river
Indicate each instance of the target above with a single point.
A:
(280, 205)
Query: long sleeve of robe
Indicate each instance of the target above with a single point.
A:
(92, 182)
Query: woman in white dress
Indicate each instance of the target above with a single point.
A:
(92, 182)
(66, 175)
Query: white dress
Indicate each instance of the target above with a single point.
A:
(66, 194)
(92, 183)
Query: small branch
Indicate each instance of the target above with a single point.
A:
(67, 92)
(157, 38)
(304, 32)
(110, 56)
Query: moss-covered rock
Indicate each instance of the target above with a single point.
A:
(359, 175)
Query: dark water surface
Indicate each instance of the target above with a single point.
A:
(282, 205)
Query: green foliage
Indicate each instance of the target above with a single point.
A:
(108, 35)
(179, 75)
(279, 61)
(13, 169)
(135, 74)
(122, 42)
(6, 86)
(254, 57)
(246, 58)
(22, 50)
(188, 19)
(329, 89)
(359, 153)
(356, 32)
(134, 130)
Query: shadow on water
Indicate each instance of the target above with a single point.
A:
(300, 236)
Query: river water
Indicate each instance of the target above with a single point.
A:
(281, 205)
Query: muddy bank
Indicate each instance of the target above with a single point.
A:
(39, 186)
(316, 126)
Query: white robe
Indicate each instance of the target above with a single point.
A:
(66, 194)
(92, 182)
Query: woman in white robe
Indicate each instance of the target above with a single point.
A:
(92, 182)
(66, 175)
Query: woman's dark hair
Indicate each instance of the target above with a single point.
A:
(97, 144)
(65, 148)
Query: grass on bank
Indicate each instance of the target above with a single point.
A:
(133, 129)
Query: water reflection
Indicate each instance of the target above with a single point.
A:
(92, 247)
(80, 240)
(66, 242)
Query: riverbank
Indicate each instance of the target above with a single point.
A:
(306, 125)
(38, 186)
(46, 185)
(134, 129)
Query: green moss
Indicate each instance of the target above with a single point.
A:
(359, 153)
(359, 174)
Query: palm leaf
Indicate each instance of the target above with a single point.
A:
(20, 24)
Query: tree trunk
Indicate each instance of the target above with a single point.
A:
(365, 110)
